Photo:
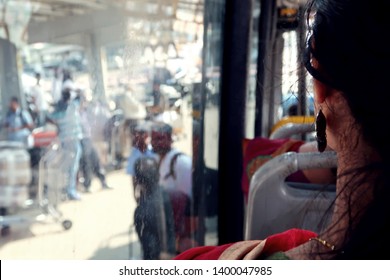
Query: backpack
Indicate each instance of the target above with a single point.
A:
(185, 223)
(172, 166)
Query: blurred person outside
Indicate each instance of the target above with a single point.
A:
(181, 180)
(161, 76)
(18, 123)
(140, 148)
(153, 216)
(66, 117)
(134, 112)
(57, 85)
(175, 169)
(89, 161)
(156, 94)
(68, 83)
(99, 115)
(160, 102)
(39, 99)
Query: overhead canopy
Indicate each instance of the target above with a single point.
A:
(51, 20)
(51, 9)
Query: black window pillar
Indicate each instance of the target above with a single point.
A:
(236, 46)
(267, 33)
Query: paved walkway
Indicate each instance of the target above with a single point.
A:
(101, 223)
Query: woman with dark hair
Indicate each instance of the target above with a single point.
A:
(349, 67)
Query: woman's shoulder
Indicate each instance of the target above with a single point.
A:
(273, 247)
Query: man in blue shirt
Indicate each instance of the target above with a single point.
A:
(18, 123)
(89, 161)
(140, 148)
(67, 118)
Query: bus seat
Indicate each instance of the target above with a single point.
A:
(289, 129)
(275, 205)
(289, 126)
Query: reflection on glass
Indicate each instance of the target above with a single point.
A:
(124, 64)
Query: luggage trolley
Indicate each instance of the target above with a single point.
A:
(15, 178)
(51, 180)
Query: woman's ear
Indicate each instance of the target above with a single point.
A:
(321, 91)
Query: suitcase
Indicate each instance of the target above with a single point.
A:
(43, 138)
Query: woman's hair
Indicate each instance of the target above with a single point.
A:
(347, 39)
(146, 173)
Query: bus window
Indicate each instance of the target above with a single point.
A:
(125, 66)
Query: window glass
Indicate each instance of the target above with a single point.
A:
(93, 81)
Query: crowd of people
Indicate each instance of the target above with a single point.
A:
(161, 175)
(70, 117)
(158, 170)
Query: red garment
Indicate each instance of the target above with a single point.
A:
(259, 150)
(280, 242)
(185, 224)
